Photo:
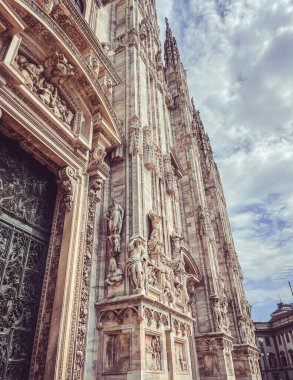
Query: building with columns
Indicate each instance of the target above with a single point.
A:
(275, 342)
(116, 254)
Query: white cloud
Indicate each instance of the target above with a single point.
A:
(239, 59)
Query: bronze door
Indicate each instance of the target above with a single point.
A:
(27, 197)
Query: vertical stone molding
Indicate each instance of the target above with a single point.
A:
(67, 177)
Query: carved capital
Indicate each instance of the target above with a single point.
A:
(67, 177)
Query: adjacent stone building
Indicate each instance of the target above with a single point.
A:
(275, 341)
(116, 254)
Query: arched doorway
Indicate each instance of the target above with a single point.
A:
(27, 198)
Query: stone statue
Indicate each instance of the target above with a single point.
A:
(154, 243)
(115, 217)
(217, 313)
(242, 330)
(137, 263)
(167, 277)
(153, 350)
(115, 274)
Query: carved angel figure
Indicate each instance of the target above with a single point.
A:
(137, 263)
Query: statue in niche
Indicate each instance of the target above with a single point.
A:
(154, 243)
(242, 330)
(137, 263)
(217, 313)
(115, 218)
(167, 279)
(115, 274)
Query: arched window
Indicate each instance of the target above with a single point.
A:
(81, 5)
(272, 360)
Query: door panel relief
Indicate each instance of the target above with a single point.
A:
(27, 195)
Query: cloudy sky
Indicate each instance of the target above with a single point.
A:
(239, 58)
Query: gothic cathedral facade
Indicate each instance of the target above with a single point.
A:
(116, 254)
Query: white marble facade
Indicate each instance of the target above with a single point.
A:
(142, 279)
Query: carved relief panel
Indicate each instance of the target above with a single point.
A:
(181, 361)
(117, 356)
(153, 353)
(26, 207)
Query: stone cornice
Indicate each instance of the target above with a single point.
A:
(143, 300)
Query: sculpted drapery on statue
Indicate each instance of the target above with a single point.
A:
(137, 264)
(44, 82)
(114, 216)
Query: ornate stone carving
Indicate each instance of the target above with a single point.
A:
(143, 29)
(132, 37)
(94, 63)
(154, 316)
(85, 285)
(40, 79)
(154, 243)
(97, 156)
(117, 153)
(58, 69)
(169, 101)
(121, 42)
(159, 60)
(148, 149)
(171, 185)
(67, 177)
(208, 356)
(115, 274)
(106, 84)
(117, 353)
(167, 280)
(47, 5)
(136, 264)
(22, 187)
(115, 218)
(153, 353)
(205, 223)
(181, 362)
(135, 147)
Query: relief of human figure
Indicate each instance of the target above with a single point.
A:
(114, 241)
(29, 71)
(137, 263)
(115, 217)
(115, 274)
(167, 279)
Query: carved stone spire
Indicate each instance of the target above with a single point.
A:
(202, 137)
(172, 55)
